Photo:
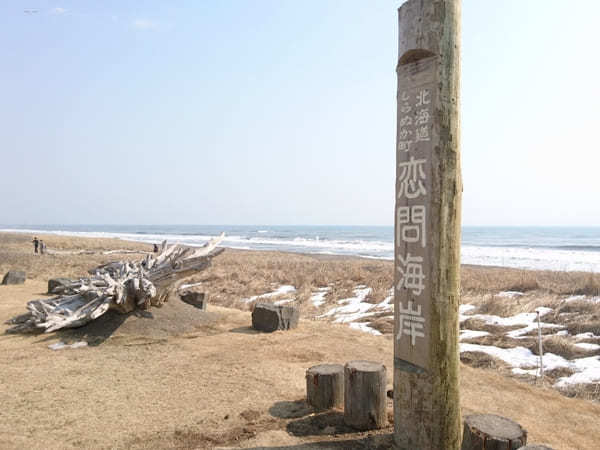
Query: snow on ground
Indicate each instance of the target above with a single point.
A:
(463, 310)
(318, 297)
(528, 320)
(61, 345)
(471, 334)
(522, 360)
(588, 371)
(510, 294)
(574, 298)
(520, 357)
(587, 346)
(588, 335)
(356, 308)
(388, 303)
(281, 290)
(187, 286)
(284, 301)
(364, 326)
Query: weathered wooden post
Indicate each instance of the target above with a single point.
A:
(427, 227)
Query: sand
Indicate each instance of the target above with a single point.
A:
(211, 381)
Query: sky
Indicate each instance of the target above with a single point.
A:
(284, 112)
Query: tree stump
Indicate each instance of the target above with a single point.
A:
(492, 432)
(197, 299)
(325, 386)
(268, 317)
(364, 395)
(14, 277)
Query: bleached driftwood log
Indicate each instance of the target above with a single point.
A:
(123, 286)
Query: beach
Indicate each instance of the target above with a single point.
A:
(153, 383)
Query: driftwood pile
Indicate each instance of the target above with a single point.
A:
(122, 286)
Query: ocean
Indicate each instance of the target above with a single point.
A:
(549, 248)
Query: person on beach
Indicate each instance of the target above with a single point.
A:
(36, 242)
(42, 247)
(155, 248)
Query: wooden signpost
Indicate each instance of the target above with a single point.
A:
(427, 227)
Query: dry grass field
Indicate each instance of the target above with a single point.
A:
(169, 380)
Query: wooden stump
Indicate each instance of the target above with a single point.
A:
(197, 299)
(491, 432)
(364, 395)
(269, 317)
(14, 277)
(325, 386)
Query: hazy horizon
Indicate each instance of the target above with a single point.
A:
(279, 112)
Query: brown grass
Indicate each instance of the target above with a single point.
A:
(480, 360)
(501, 341)
(584, 327)
(480, 279)
(480, 325)
(561, 346)
(583, 391)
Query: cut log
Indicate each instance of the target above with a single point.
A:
(14, 277)
(269, 317)
(365, 395)
(325, 386)
(197, 299)
(492, 432)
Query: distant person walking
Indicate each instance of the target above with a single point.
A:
(36, 242)
(155, 248)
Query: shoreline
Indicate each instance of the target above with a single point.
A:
(324, 255)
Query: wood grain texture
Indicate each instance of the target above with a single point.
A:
(426, 399)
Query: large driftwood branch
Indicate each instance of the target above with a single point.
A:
(123, 286)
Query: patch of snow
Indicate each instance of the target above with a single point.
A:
(587, 346)
(318, 297)
(186, 286)
(284, 301)
(60, 345)
(388, 303)
(364, 326)
(510, 294)
(519, 371)
(588, 335)
(543, 310)
(57, 346)
(574, 298)
(281, 290)
(529, 320)
(472, 334)
(354, 307)
(562, 333)
(588, 371)
(518, 356)
(462, 310)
